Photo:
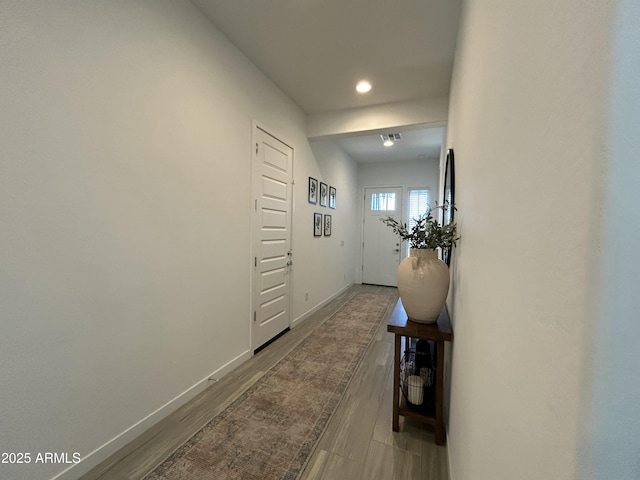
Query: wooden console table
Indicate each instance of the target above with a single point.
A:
(439, 333)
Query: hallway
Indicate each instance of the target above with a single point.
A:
(358, 442)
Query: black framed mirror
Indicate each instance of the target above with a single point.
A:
(449, 191)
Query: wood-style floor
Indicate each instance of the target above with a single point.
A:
(358, 442)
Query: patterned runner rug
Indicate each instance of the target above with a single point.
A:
(271, 430)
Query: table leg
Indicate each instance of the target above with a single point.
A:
(396, 383)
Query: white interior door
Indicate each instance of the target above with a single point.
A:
(272, 173)
(381, 247)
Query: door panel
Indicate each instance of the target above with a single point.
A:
(272, 171)
(275, 219)
(272, 279)
(273, 310)
(274, 189)
(381, 247)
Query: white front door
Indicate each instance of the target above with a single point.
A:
(381, 247)
(272, 174)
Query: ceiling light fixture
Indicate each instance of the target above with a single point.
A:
(363, 86)
(388, 143)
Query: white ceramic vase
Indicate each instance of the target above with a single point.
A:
(423, 284)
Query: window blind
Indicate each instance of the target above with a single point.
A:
(419, 201)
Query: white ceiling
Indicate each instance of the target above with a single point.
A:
(415, 143)
(317, 50)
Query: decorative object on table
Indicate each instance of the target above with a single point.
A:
(415, 393)
(417, 373)
(323, 194)
(327, 225)
(425, 364)
(313, 190)
(423, 279)
(332, 197)
(413, 379)
(449, 198)
(317, 224)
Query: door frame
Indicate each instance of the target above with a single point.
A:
(256, 125)
(363, 209)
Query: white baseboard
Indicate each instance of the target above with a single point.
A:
(313, 310)
(112, 446)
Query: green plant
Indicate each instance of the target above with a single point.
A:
(426, 232)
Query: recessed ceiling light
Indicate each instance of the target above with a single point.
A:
(388, 143)
(363, 87)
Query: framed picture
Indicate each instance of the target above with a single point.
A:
(332, 197)
(327, 225)
(317, 224)
(323, 194)
(313, 190)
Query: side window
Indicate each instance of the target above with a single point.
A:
(419, 201)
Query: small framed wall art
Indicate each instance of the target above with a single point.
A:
(317, 224)
(332, 197)
(323, 194)
(313, 190)
(327, 225)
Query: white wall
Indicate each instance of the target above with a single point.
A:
(528, 122)
(327, 263)
(408, 173)
(125, 149)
